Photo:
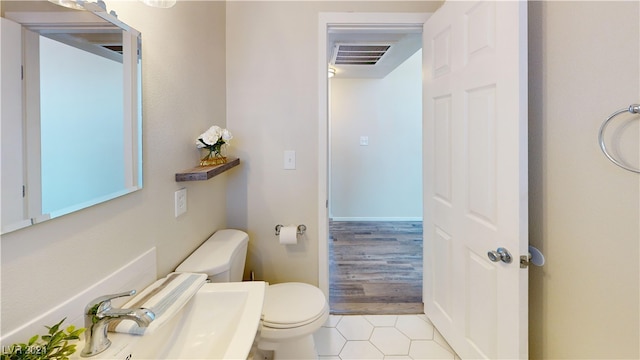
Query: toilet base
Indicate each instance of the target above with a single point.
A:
(297, 349)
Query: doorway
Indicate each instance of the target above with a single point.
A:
(395, 22)
(375, 166)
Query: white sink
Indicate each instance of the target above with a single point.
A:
(219, 322)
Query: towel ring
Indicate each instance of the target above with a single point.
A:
(633, 109)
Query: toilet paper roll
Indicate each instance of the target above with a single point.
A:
(289, 235)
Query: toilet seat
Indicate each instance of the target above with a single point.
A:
(291, 305)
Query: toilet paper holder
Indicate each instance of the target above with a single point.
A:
(301, 229)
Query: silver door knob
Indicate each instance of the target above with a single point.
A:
(501, 254)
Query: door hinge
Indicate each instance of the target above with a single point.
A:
(21, 72)
(524, 261)
(24, 191)
(326, 204)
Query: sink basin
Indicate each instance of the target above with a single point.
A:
(219, 322)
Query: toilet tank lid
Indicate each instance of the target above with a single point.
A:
(214, 255)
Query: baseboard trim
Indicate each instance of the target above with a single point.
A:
(408, 218)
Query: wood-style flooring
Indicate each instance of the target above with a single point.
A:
(375, 267)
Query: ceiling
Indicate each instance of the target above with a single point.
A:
(400, 43)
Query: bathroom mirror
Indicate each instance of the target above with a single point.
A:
(70, 110)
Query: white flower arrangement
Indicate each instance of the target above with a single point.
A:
(214, 138)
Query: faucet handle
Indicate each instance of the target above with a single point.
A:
(104, 302)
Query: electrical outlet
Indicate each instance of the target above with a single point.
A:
(181, 202)
(364, 140)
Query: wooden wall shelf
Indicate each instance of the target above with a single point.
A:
(206, 172)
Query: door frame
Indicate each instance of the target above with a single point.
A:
(356, 20)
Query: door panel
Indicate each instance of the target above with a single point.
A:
(442, 148)
(475, 176)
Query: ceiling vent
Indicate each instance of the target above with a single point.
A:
(359, 54)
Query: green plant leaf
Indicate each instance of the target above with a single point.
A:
(53, 346)
(33, 339)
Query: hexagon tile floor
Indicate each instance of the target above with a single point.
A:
(369, 337)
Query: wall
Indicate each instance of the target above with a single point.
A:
(382, 180)
(184, 94)
(272, 106)
(584, 211)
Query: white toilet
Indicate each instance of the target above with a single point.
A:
(292, 312)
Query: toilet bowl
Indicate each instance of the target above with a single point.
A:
(292, 312)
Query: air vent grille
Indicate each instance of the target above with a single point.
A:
(115, 48)
(354, 54)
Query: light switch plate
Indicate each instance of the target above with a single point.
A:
(364, 140)
(181, 202)
(289, 160)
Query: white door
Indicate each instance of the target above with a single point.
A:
(475, 175)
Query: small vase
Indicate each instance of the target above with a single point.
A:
(214, 155)
(212, 158)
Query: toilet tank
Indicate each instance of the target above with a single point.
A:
(221, 257)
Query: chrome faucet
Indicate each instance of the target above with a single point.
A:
(97, 316)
